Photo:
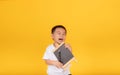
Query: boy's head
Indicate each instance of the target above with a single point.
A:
(58, 33)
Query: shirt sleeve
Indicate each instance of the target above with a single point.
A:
(47, 54)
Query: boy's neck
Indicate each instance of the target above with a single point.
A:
(56, 44)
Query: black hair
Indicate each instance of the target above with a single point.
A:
(58, 26)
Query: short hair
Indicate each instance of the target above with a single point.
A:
(58, 26)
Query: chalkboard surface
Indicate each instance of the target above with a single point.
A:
(63, 55)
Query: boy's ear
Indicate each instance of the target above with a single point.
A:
(52, 36)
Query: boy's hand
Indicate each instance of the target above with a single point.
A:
(69, 47)
(54, 62)
(58, 64)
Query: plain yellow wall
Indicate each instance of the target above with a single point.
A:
(93, 31)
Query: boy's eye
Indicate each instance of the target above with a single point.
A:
(63, 34)
(58, 33)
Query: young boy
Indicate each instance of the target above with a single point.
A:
(54, 66)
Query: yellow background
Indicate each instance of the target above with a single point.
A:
(93, 31)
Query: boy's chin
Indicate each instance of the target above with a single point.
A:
(60, 42)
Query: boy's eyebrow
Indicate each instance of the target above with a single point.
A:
(59, 32)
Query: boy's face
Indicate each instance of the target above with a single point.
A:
(59, 35)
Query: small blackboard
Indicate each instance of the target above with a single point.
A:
(63, 55)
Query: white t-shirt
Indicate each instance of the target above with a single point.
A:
(53, 70)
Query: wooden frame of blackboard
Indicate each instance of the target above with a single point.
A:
(66, 64)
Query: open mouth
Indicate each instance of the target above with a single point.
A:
(61, 39)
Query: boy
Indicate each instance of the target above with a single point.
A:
(54, 66)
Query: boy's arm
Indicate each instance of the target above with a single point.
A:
(53, 62)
